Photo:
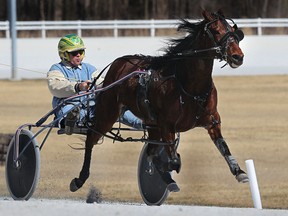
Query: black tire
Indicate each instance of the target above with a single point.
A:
(22, 180)
(152, 188)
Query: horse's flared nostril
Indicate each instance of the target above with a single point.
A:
(237, 58)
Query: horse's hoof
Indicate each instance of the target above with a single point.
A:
(75, 185)
(173, 187)
(175, 164)
(242, 178)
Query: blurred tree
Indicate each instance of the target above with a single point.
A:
(141, 9)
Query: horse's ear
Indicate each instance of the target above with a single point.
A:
(221, 13)
(207, 15)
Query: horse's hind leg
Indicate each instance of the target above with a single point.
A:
(103, 123)
(215, 134)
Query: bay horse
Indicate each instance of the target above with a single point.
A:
(176, 94)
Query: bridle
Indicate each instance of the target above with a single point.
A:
(221, 45)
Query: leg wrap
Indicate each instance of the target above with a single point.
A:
(233, 164)
(224, 150)
(222, 147)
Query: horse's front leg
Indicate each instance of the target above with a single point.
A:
(214, 130)
(174, 162)
(77, 183)
(165, 165)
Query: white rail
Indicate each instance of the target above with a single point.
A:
(115, 25)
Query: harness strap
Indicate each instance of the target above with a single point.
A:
(117, 137)
(199, 99)
(143, 103)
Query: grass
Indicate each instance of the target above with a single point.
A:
(254, 123)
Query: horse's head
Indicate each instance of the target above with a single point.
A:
(225, 37)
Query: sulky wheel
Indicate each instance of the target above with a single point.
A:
(151, 185)
(21, 179)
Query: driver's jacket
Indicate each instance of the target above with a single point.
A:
(62, 79)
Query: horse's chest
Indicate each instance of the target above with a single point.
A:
(188, 113)
(180, 111)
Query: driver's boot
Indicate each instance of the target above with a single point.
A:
(71, 119)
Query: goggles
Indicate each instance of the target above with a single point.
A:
(75, 53)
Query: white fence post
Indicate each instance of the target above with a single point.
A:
(152, 28)
(43, 29)
(79, 32)
(7, 29)
(259, 28)
(116, 28)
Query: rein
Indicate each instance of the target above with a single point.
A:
(96, 78)
(195, 53)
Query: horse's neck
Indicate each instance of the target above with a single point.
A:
(197, 77)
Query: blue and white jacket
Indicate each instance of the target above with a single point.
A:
(62, 79)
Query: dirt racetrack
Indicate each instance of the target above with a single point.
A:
(254, 124)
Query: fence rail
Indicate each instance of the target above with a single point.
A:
(116, 25)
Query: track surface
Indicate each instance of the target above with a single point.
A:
(45, 207)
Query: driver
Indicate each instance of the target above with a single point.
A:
(72, 76)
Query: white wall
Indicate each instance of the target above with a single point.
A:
(263, 54)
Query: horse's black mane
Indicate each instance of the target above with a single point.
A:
(179, 46)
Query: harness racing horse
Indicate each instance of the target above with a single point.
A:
(175, 94)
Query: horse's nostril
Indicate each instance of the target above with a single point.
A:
(237, 57)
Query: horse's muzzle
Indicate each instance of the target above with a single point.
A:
(235, 61)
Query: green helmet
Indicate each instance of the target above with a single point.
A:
(70, 43)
